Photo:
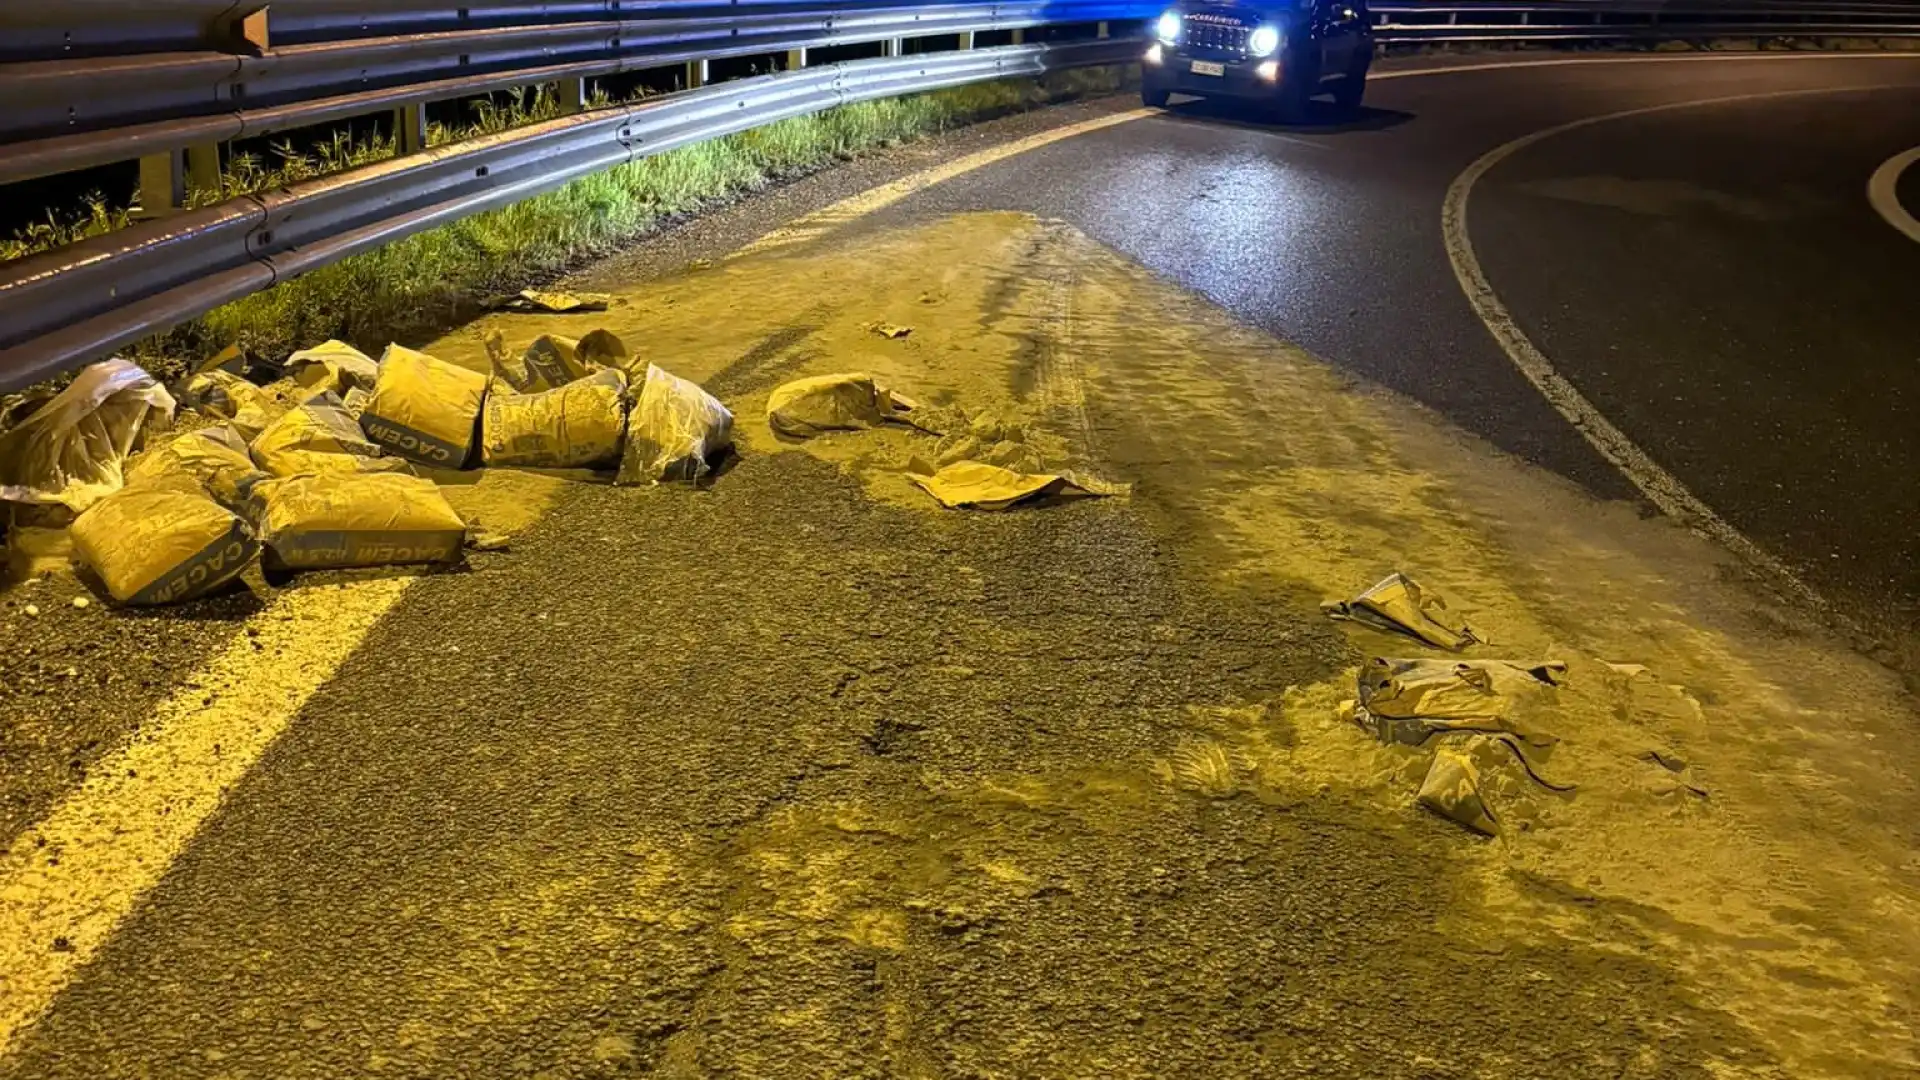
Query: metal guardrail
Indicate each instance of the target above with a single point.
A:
(86, 82)
(1400, 22)
(68, 306)
(72, 114)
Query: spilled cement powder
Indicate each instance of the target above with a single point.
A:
(1777, 871)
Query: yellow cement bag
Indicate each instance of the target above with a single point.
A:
(807, 407)
(425, 410)
(319, 435)
(553, 361)
(335, 366)
(578, 425)
(340, 520)
(73, 449)
(214, 461)
(162, 545)
(223, 394)
(674, 433)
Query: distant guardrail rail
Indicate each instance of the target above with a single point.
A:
(168, 82)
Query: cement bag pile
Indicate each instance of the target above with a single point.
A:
(71, 450)
(807, 407)
(317, 436)
(553, 361)
(675, 433)
(214, 461)
(335, 366)
(162, 544)
(343, 520)
(425, 410)
(575, 426)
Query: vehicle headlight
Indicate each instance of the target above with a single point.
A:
(1264, 41)
(1168, 28)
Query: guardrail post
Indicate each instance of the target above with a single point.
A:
(571, 95)
(1100, 31)
(163, 184)
(696, 74)
(796, 59)
(966, 39)
(203, 168)
(891, 47)
(1018, 37)
(410, 128)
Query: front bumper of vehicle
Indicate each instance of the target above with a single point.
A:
(1171, 68)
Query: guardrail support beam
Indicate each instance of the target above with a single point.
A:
(1019, 37)
(410, 128)
(1100, 31)
(203, 168)
(571, 95)
(796, 59)
(966, 39)
(892, 46)
(163, 184)
(696, 74)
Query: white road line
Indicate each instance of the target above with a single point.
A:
(1662, 488)
(1883, 193)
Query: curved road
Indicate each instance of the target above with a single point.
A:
(1711, 277)
(797, 778)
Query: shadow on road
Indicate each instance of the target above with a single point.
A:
(1323, 117)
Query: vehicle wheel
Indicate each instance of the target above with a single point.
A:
(1153, 97)
(1348, 92)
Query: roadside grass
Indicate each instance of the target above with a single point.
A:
(428, 282)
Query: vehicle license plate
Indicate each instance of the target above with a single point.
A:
(1203, 67)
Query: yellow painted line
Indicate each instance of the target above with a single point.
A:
(823, 221)
(68, 882)
(1883, 193)
(832, 217)
(1661, 487)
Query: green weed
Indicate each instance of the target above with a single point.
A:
(429, 281)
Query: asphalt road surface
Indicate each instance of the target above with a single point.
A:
(799, 776)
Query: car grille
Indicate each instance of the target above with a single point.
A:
(1210, 35)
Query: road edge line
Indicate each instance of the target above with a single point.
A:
(1661, 488)
(1883, 193)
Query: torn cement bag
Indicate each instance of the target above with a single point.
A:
(973, 485)
(1452, 790)
(259, 413)
(342, 520)
(72, 449)
(214, 461)
(223, 394)
(1399, 605)
(675, 433)
(162, 545)
(425, 410)
(319, 436)
(1407, 701)
(806, 407)
(559, 303)
(575, 426)
(549, 363)
(335, 366)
